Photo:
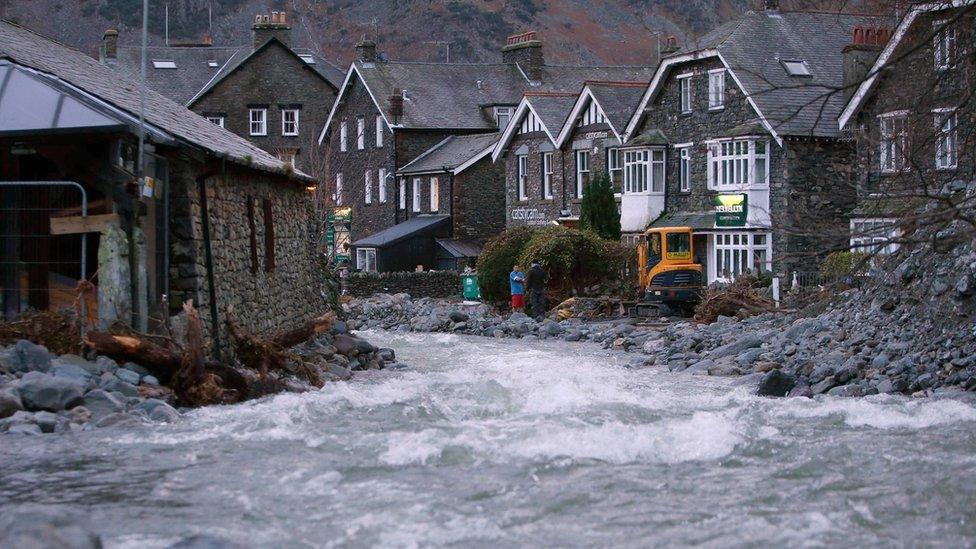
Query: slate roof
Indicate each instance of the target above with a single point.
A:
(460, 248)
(618, 100)
(402, 231)
(331, 74)
(192, 70)
(552, 108)
(27, 48)
(754, 45)
(450, 153)
(449, 95)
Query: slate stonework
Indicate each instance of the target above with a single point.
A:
(537, 210)
(426, 284)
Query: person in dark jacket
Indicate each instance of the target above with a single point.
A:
(535, 282)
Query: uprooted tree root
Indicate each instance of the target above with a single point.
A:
(197, 381)
(57, 331)
(738, 299)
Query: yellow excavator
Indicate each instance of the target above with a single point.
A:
(669, 280)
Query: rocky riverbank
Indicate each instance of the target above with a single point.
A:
(41, 392)
(852, 345)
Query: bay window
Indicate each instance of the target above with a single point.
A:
(615, 168)
(740, 253)
(582, 172)
(737, 163)
(547, 176)
(946, 151)
(644, 171)
(522, 176)
(893, 141)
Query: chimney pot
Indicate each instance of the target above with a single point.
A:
(366, 50)
(110, 44)
(267, 26)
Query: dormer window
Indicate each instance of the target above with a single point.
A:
(795, 68)
(502, 116)
(164, 64)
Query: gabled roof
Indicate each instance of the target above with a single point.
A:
(551, 110)
(616, 100)
(107, 86)
(752, 49)
(330, 74)
(454, 154)
(864, 90)
(193, 67)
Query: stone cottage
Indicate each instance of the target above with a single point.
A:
(910, 111)
(216, 219)
(736, 138)
(389, 113)
(269, 92)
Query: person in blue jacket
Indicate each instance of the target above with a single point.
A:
(516, 282)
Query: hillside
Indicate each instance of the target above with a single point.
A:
(588, 31)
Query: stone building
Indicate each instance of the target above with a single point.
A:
(910, 112)
(736, 138)
(273, 94)
(453, 202)
(218, 220)
(389, 113)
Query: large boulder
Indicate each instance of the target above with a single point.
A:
(776, 383)
(46, 527)
(9, 402)
(70, 367)
(28, 357)
(102, 403)
(39, 391)
(739, 345)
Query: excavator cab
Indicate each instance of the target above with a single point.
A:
(668, 278)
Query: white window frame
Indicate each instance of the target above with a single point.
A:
(547, 175)
(403, 193)
(258, 126)
(742, 252)
(684, 168)
(435, 194)
(716, 89)
(874, 235)
(366, 259)
(944, 45)
(615, 168)
(733, 163)
(644, 171)
(368, 187)
(379, 131)
(381, 180)
(416, 194)
(338, 189)
(522, 176)
(343, 136)
(216, 120)
(892, 141)
(360, 133)
(582, 157)
(946, 144)
(503, 112)
(684, 91)
(285, 130)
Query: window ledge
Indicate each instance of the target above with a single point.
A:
(687, 113)
(716, 109)
(947, 168)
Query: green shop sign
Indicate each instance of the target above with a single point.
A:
(731, 210)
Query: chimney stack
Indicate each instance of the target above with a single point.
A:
(268, 26)
(366, 50)
(859, 56)
(526, 50)
(396, 105)
(770, 5)
(670, 46)
(110, 46)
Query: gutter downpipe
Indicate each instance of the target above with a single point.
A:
(208, 251)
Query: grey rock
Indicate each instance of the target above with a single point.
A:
(205, 541)
(776, 383)
(340, 327)
(29, 357)
(748, 380)
(47, 421)
(748, 357)
(128, 376)
(458, 316)
(701, 367)
(823, 386)
(102, 403)
(736, 347)
(46, 527)
(68, 369)
(118, 420)
(137, 368)
(116, 385)
(40, 391)
(150, 380)
(24, 429)
(9, 402)
(800, 390)
(164, 413)
(849, 390)
(573, 335)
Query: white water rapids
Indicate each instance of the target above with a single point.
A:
(502, 443)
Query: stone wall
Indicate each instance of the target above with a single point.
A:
(425, 284)
(276, 79)
(478, 205)
(267, 296)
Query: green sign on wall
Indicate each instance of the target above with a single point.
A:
(731, 210)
